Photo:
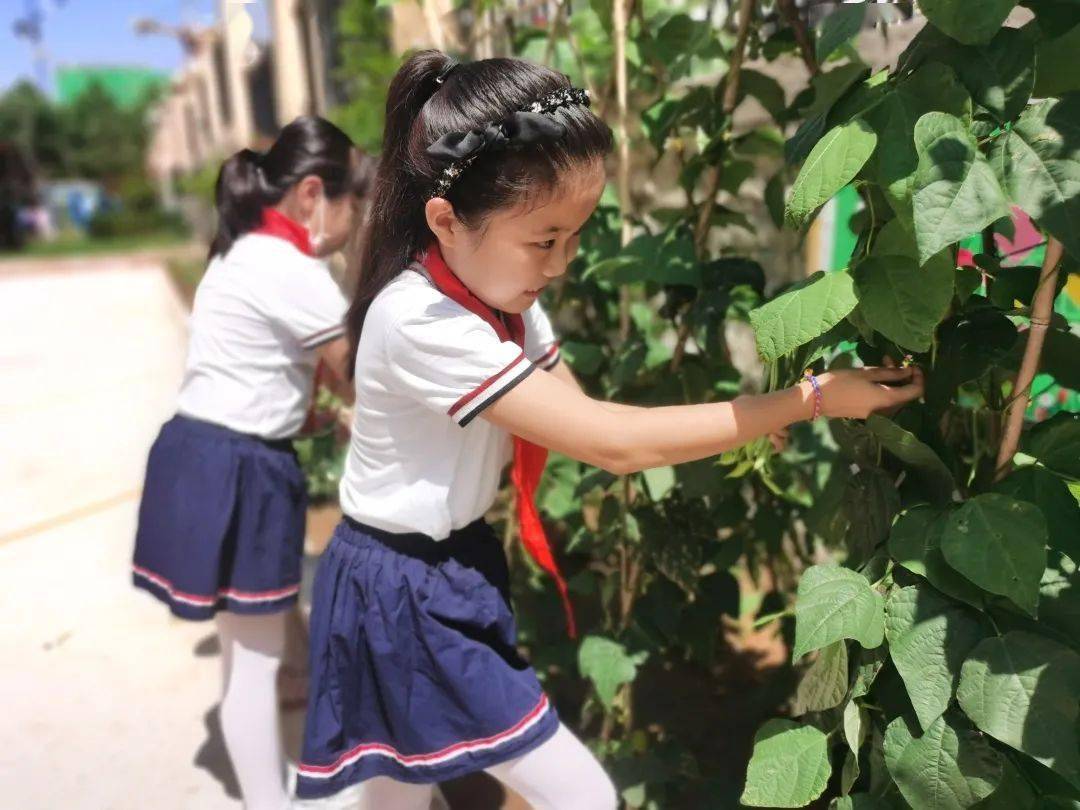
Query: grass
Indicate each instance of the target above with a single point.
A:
(80, 245)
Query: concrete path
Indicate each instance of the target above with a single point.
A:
(109, 704)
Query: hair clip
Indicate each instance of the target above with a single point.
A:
(448, 68)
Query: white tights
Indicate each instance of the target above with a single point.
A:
(251, 652)
(561, 774)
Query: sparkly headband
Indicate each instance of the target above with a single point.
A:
(531, 124)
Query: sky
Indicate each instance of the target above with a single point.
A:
(99, 32)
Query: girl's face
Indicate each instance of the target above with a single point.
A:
(510, 260)
(335, 223)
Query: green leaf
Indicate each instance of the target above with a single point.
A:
(832, 164)
(915, 543)
(1056, 443)
(970, 343)
(1013, 792)
(835, 603)
(934, 87)
(929, 638)
(825, 683)
(1038, 164)
(765, 89)
(1059, 358)
(907, 447)
(829, 88)
(870, 664)
(789, 766)
(869, 504)
(584, 358)
(800, 315)
(1022, 689)
(774, 198)
(1001, 74)
(1059, 597)
(861, 801)
(1057, 73)
(965, 21)
(1049, 493)
(955, 191)
(838, 27)
(903, 301)
(849, 773)
(856, 726)
(660, 481)
(950, 767)
(607, 664)
(1000, 545)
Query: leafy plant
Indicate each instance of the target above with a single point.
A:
(970, 695)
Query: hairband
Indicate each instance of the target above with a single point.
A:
(531, 124)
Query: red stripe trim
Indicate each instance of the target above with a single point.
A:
(159, 580)
(469, 397)
(549, 354)
(419, 759)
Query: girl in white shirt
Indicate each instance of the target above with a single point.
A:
(488, 173)
(221, 523)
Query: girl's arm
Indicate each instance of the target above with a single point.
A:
(564, 373)
(546, 409)
(335, 355)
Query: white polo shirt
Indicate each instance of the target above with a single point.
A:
(420, 460)
(260, 313)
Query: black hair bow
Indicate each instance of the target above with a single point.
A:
(515, 131)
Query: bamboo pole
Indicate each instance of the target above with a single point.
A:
(1042, 307)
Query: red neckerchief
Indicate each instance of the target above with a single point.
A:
(275, 223)
(529, 459)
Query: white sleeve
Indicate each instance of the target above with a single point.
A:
(310, 305)
(541, 345)
(452, 361)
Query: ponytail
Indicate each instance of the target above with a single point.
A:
(239, 197)
(250, 181)
(396, 225)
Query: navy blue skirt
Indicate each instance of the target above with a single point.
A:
(415, 674)
(221, 523)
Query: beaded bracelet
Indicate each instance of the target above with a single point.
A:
(808, 374)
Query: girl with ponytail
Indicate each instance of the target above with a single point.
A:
(221, 522)
(488, 174)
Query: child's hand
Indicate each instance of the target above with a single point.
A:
(779, 439)
(856, 393)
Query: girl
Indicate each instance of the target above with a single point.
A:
(221, 523)
(489, 172)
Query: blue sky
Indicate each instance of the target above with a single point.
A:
(99, 32)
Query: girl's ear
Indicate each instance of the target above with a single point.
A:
(443, 221)
(308, 192)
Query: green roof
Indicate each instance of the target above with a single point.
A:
(127, 85)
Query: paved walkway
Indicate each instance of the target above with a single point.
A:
(108, 702)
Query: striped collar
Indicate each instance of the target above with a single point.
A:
(275, 223)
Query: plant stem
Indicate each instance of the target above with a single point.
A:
(790, 12)
(1041, 309)
(703, 224)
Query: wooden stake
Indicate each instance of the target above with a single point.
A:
(1042, 307)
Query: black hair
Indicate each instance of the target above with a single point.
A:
(419, 111)
(250, 181)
